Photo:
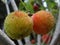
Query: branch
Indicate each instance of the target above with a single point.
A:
(4, 39)
(7, 7)
(57, 30)
(14, 5)
(38, 39)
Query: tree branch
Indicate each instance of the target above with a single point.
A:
(57, 30)
(4, 39)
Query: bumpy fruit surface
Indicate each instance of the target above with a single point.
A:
(43, 22)
(18, 25)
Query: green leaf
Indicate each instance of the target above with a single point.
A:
(21, 7)
(29, 7)
(42, 8)
(26, 6)
(39, 2)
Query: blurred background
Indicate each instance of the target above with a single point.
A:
(35, 5)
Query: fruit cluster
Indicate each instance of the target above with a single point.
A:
(18, 24)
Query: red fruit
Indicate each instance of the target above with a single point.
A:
(35, 7)
(33, 41)
(43, 22)
(46, 38)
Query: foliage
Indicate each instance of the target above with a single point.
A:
(28, 6)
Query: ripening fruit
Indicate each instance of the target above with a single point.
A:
(46, 38)
(18, 25)
(43, 22)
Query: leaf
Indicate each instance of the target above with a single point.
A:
(29, 7)
(21, 7)
(26, 6)
(39, 2)
(42, 8)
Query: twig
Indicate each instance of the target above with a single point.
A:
(7, 7)
(5, 39)
(20, 43)
(6, 4)
(14, 5)
(38, 39)
(27, 40)
(57, 30)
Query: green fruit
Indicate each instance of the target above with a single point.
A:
(18, 25)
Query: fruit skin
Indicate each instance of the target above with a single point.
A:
(18, 25)
(43, 22)
(46, 38)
